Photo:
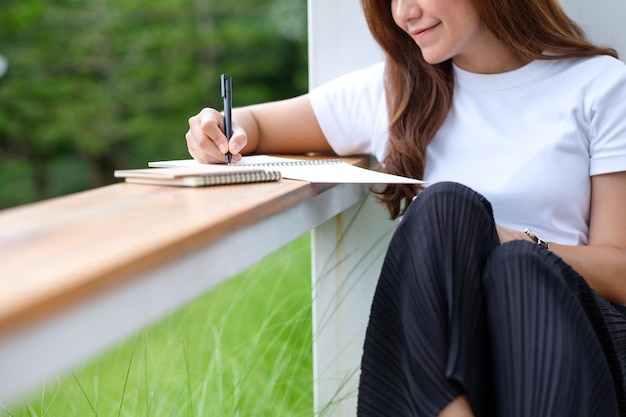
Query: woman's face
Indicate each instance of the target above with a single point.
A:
(443, 29)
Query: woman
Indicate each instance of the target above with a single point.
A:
(502, 289)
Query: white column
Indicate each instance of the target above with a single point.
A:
(347, 250)
(339, 40)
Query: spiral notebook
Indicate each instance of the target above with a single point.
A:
(200, 176)
(332, 171)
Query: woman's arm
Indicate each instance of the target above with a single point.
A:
(603, 262)
(287, 126)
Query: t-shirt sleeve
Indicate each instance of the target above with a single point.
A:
(608, 121)
(352, 112)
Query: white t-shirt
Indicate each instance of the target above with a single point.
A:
(528, 140)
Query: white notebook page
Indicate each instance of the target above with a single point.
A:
(331, 171)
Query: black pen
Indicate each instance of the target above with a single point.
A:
(227, 95)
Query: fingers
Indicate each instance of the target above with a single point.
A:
(206, 140)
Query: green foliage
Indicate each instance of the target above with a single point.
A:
(103, 84)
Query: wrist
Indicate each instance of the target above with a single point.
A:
(537, 239)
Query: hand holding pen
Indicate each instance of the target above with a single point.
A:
(213, 134)
(227, 95)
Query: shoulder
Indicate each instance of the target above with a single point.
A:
(359, 80)
(600, 64)
(594, 71)
(601, 85)
(592, 84)
(351, 94)
(340, 106)
(351, 91)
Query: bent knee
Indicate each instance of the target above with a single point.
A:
(518, 265)
(443, 196)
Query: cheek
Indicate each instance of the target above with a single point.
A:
(396, 17)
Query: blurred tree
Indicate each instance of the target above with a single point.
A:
(97, 85)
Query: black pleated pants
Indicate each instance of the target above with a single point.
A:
(511, 326)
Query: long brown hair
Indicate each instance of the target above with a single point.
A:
(419, 95)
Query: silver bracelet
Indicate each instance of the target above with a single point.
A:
(538, 239)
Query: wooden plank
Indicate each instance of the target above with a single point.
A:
(57, 252)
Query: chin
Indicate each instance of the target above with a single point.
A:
(434, 59)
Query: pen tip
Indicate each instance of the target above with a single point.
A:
(229, 158)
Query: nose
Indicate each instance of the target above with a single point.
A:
(405, 10)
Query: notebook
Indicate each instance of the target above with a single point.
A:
(333, 171)
(199, 176)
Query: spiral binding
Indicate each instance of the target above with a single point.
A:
(296, 163)
(241, 177)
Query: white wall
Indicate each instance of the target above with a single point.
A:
(339, 40)
(603, 20)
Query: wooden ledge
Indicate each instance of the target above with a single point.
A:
(58, 252)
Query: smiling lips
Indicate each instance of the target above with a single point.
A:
(419, 33)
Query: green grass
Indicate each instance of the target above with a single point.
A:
(244, 349)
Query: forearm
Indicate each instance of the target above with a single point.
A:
(243, 117)
(287, 126)
(603, 267)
